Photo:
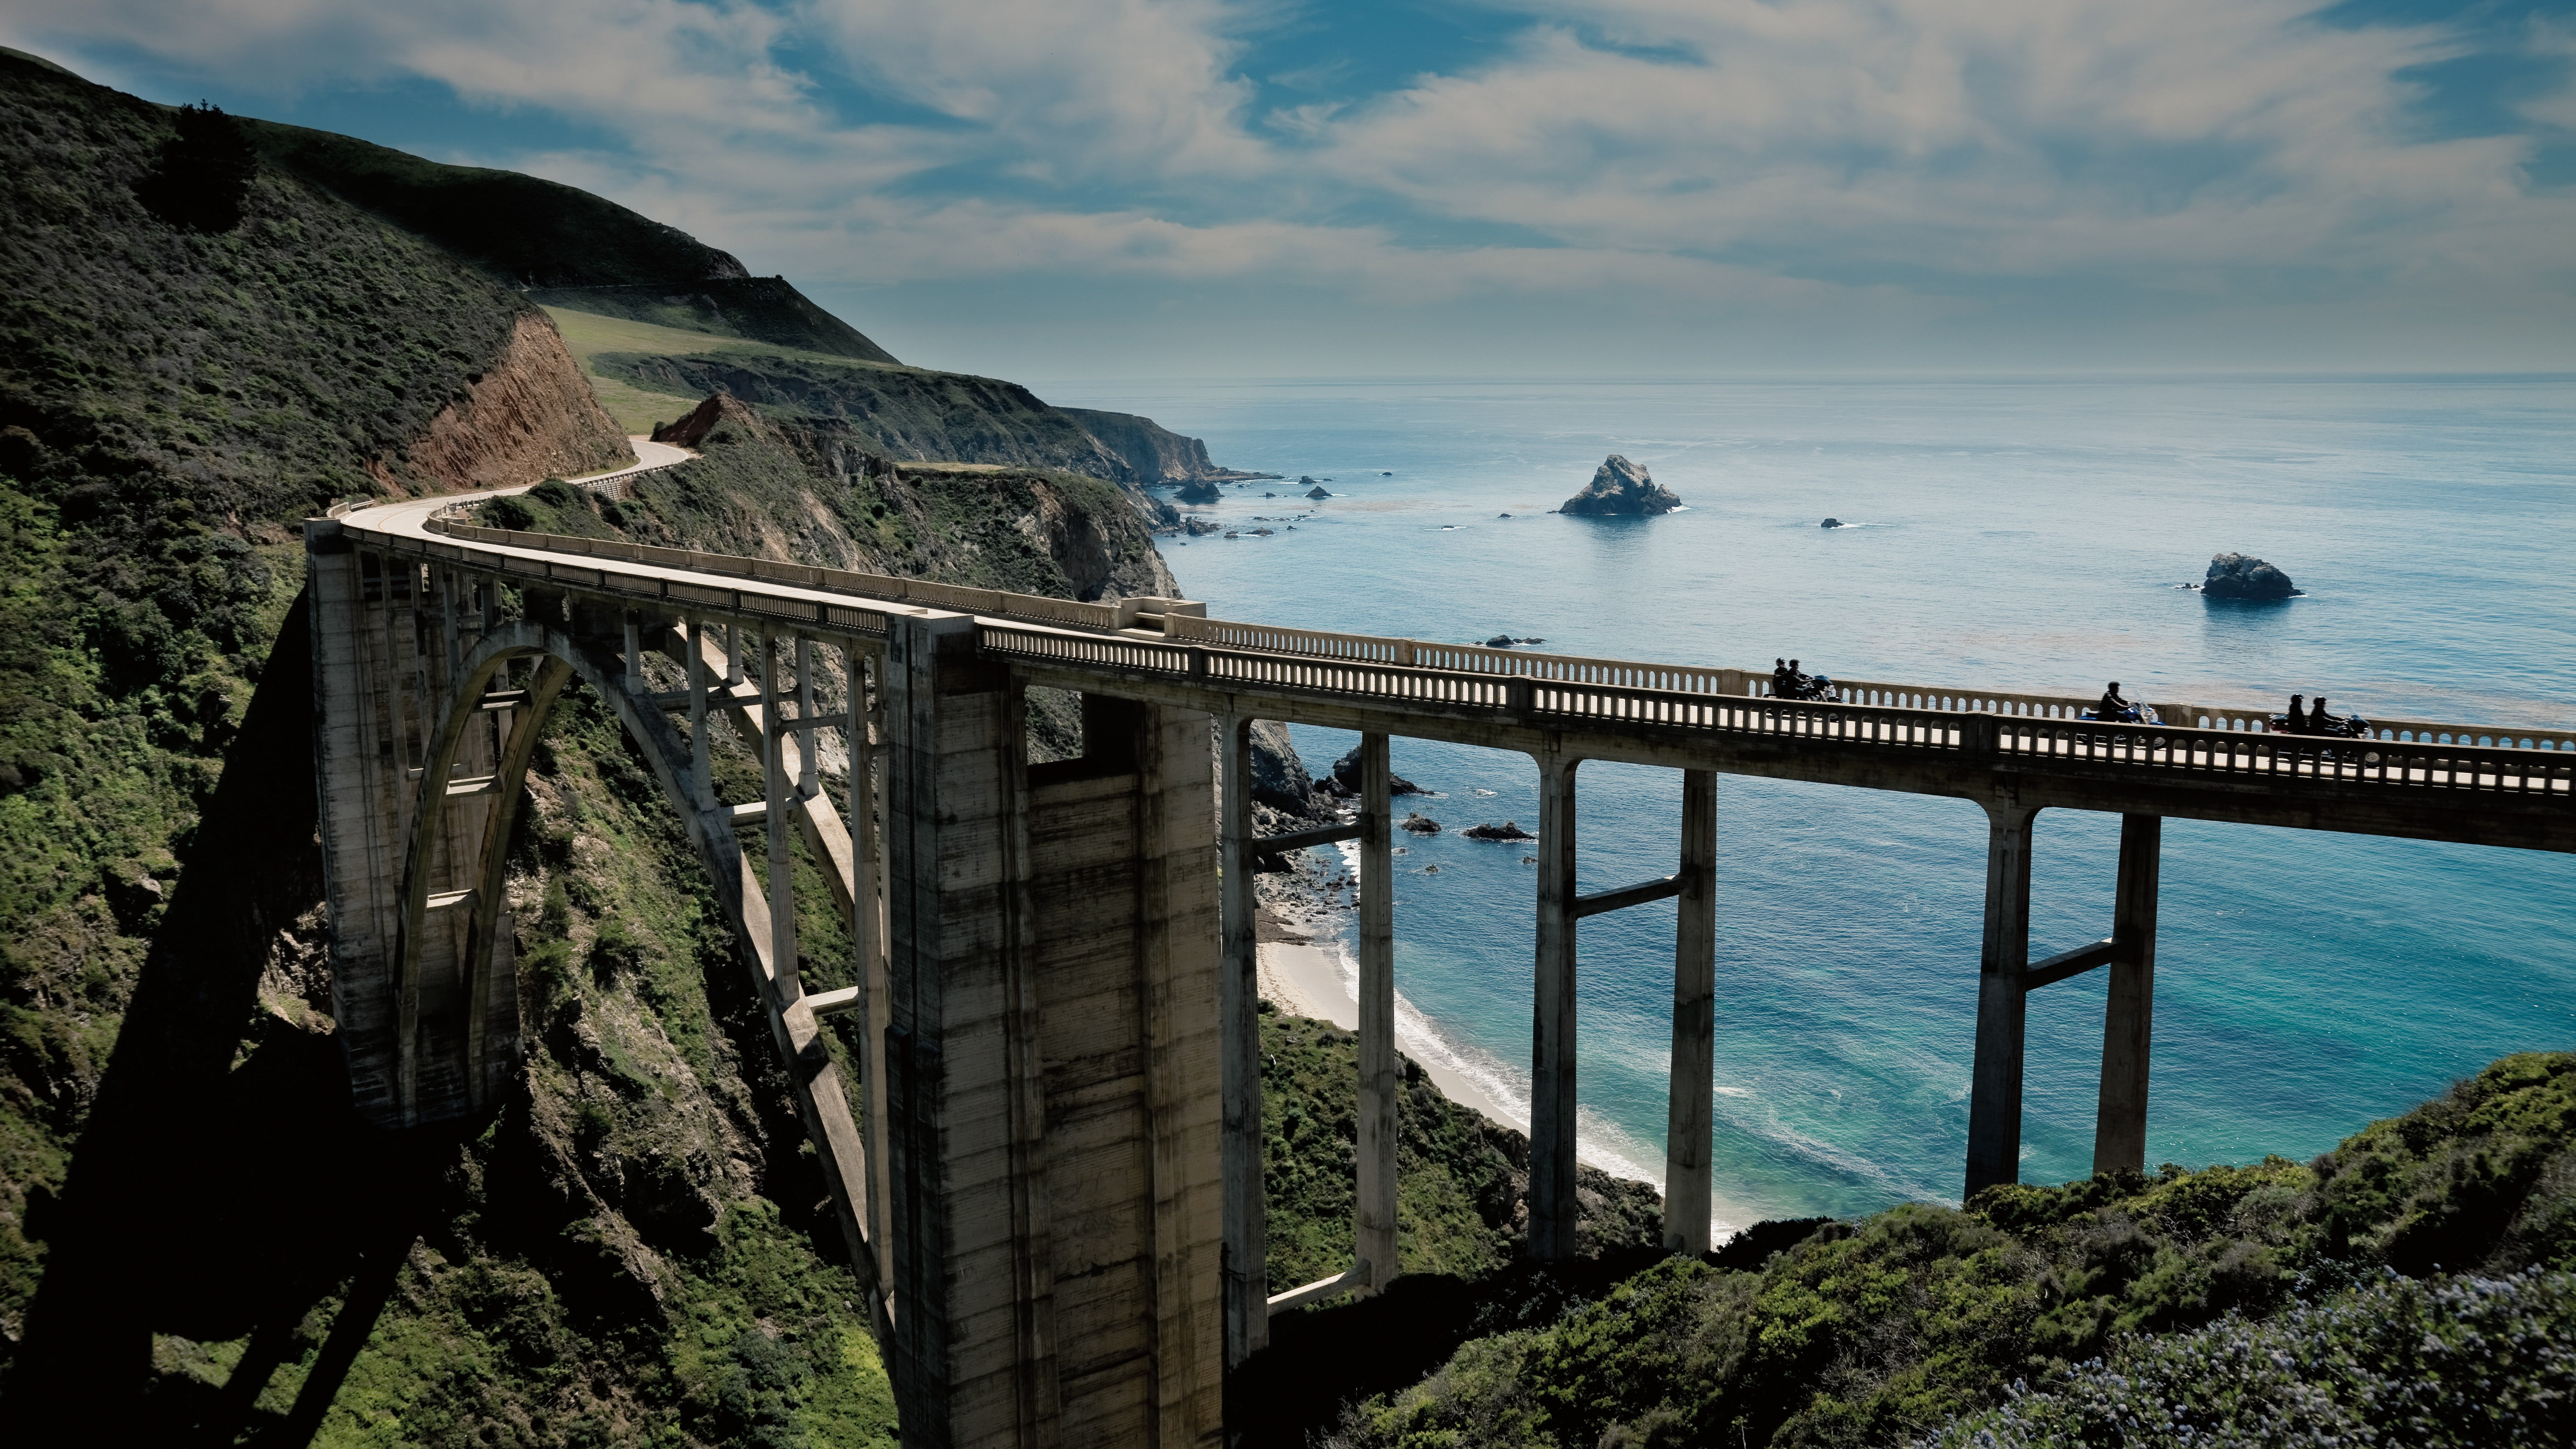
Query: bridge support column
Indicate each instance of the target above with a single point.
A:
(1994, 1092)
(1688, 1116)
(2128, 1015)
(1238, 1006)
(1380, 1080)
(1553, 1212)
(868, 947)
(1052, 1064)
(774, 791)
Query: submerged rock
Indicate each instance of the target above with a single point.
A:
(1624, 489)
(2241, 576)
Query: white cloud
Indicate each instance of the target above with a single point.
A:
(1910, 160)
(1075, 88)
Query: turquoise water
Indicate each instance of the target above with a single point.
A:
(2022, 535)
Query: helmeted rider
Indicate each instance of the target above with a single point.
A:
(2113, 707)
(2296, 721)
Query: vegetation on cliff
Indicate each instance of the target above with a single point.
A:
(1884, 1329)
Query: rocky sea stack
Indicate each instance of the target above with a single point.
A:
(1620, 488)
(2240, 576)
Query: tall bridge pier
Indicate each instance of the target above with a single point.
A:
(1043, 1140)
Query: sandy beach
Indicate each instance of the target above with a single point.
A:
(1306, 980)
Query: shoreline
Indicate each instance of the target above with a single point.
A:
(1303, 979)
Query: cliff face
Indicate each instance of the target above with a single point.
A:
(904, 413)
(530, 414)
(1153, 453)
(816, 492)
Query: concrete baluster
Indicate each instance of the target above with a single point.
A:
(2128, 1012)
(1380, 1078)
(1238, 1006)
(1690, 1110)
(1994, 1092)
(1553, 1212)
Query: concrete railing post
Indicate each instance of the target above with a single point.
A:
(1689, 1113)
(1238, 998)
(1553, 1212)
(1994, 1092)
(2128, 1013)
(1375, 1211)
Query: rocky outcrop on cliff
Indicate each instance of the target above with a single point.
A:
(2242, 576)
(1621, 488)
(1279, 778)
(1153, 453)
(529, 414)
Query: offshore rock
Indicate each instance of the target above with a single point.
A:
(1346, 772)
(1831, 523)
(2240, 576)
(1319, 491)
(1620, 488)
(1508, 830)
(1200, 490)
(1419, 823)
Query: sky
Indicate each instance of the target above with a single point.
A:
(1607, 188)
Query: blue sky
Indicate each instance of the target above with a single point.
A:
(1155, 188)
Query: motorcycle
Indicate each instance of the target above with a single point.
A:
(1816, 688)
(2348, 727)
(2134, 714)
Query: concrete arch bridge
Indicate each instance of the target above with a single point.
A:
(1047, 1167)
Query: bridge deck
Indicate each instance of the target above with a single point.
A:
(2414, 779)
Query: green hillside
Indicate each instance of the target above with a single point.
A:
(2343, 1301)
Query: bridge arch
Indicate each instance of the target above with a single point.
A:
(475, 882)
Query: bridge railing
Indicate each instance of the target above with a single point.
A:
(1985, 734)
(1070, 613)
(1413, 662)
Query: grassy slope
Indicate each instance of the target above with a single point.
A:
(638, 409)
(169, 402)
(568, 244)
(631, 1252)
(1876, 1331)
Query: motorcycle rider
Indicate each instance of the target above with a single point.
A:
(1779, 677)
(2322, 723)
(2296, 721)
(2113, 707)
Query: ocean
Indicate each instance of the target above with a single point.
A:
(2026, 534)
